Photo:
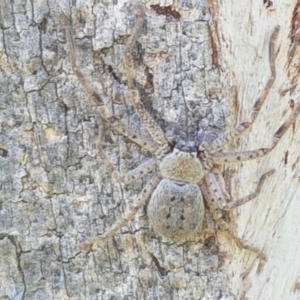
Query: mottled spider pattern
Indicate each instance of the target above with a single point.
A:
(186, 172)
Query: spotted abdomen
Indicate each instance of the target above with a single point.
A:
(176, 209)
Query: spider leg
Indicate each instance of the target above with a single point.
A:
(213, 206)
(142, 199)
(137, 173)
(101, 108)
(241, 128)
(217, 202)
(215, 199)
(133, 175)
(253, 195)
(253, 154)
(100, 152)
(225, 237)
(153, 128)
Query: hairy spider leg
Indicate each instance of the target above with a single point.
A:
(131, 176)
(142, 200)
(216, 201)
(153, 128)
(229, 136)
(253, 154)
(101, 108)
(136, 173)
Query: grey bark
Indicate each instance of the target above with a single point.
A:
(55, 191)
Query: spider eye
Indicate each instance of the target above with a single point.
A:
(180, 145)
(200, 138)
(186, 147)
(192, 148)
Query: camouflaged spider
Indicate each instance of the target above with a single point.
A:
(176, 208)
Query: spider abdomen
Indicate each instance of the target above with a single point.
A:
(176, 209)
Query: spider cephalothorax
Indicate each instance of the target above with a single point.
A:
(182, 166)
(185, 173)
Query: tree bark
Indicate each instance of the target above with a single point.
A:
(271, 222)
(200, 68)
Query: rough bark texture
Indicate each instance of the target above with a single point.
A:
(55, 191)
